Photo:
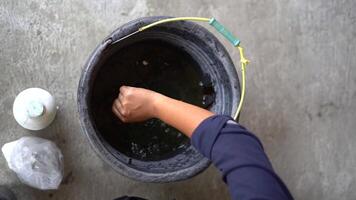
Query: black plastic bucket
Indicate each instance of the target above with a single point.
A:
(212, 62)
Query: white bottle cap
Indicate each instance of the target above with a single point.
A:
(34, 108)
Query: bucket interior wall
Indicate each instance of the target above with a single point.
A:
(152, 64)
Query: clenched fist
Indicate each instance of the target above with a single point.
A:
(135, 104)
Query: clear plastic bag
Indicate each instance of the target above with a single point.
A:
(37, 162)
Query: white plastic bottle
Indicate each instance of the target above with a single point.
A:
(34, 108)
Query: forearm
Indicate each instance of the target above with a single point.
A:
(138, 104)
(182, 116)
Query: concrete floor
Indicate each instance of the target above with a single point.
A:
(301, 92)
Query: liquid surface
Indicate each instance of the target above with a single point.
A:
(154, 65)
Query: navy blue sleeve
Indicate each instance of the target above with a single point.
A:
(239, 155)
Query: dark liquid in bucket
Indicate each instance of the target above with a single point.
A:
(154, 65)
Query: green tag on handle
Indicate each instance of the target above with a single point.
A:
(226, 33)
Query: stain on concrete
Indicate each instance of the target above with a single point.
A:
(68, 179)
(328, 108)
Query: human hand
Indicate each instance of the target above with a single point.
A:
(135, 104)
(138, 104)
